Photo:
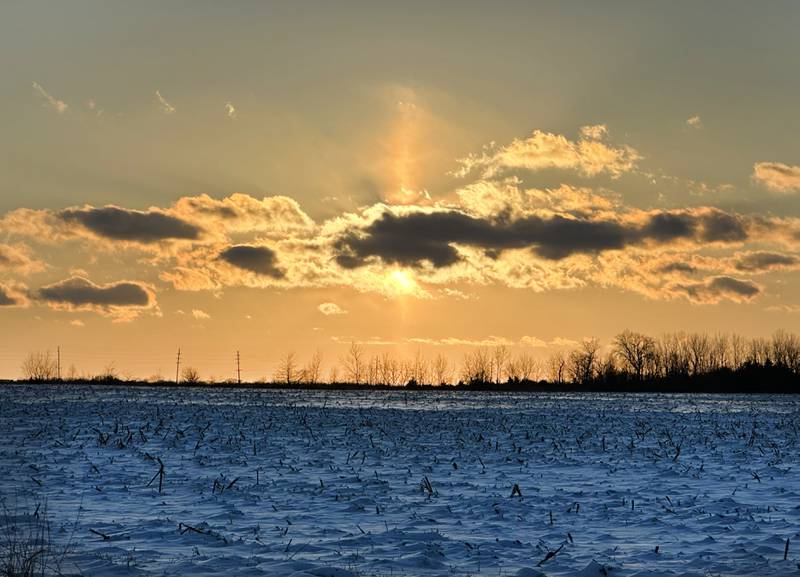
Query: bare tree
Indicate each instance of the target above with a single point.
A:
(527, 367)
(287, 371)
(477, 367)
(557, 366)
(354, 363)
(190, 375)
(499, 358)
(40, 366)
(635, 350)
(738, 351)
(374, 370)
(718, 352)
(699, 348)
(583, 362)
(441, 367)
(333, 376)
(312, 371)
(672, 357)
(419, 368)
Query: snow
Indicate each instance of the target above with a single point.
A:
(335, 484)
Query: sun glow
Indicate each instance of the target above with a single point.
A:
(402, 282)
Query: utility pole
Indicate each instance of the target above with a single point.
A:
(58, 365)
(238, 368)
(178, 367)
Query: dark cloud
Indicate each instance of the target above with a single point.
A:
(678, 267)
(763, 261)
(417, 237)
(131, 225)
(667, 226)
(718, 226)
(719, 287)
(80, 292)
(258, 259)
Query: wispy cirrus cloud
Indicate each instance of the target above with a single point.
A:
(230, 110)
(164, 106)
(49, 100)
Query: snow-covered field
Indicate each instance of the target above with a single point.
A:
(404, 483)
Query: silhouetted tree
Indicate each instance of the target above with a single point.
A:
(636, 351)
(287, 369)
(354, 363)
(40, 366)
(190, 375)
(312, 370)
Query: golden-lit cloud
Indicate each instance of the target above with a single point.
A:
(490, 341)
(331, 309)
(491, 231)
(590, 155)
(13, 295)
(49, 100)
(200, 315)
(777, 176)
(694, 122)
(230, 110)
(163, 105)
(17, 259)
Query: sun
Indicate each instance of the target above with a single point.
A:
(402, 282)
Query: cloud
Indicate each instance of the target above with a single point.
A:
(490, 341)
(117, 223)
(274, 216)
(589, 155)
(412, 238)
(762, 261)
(777, 176)
(329, 309)
(200, 315)
(715, 289)
(77, 323)
(694, 122)
(13, 296)
(534, 342)
(594, 131)
(164, 106)
(257, 259)
(677, 267)
(122, 300)
(17, 258)
(230, 110)
(50, 101)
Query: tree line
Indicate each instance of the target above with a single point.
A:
(631, 358)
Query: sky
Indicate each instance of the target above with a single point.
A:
(268, 177)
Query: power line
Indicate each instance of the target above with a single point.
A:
(178, 367)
